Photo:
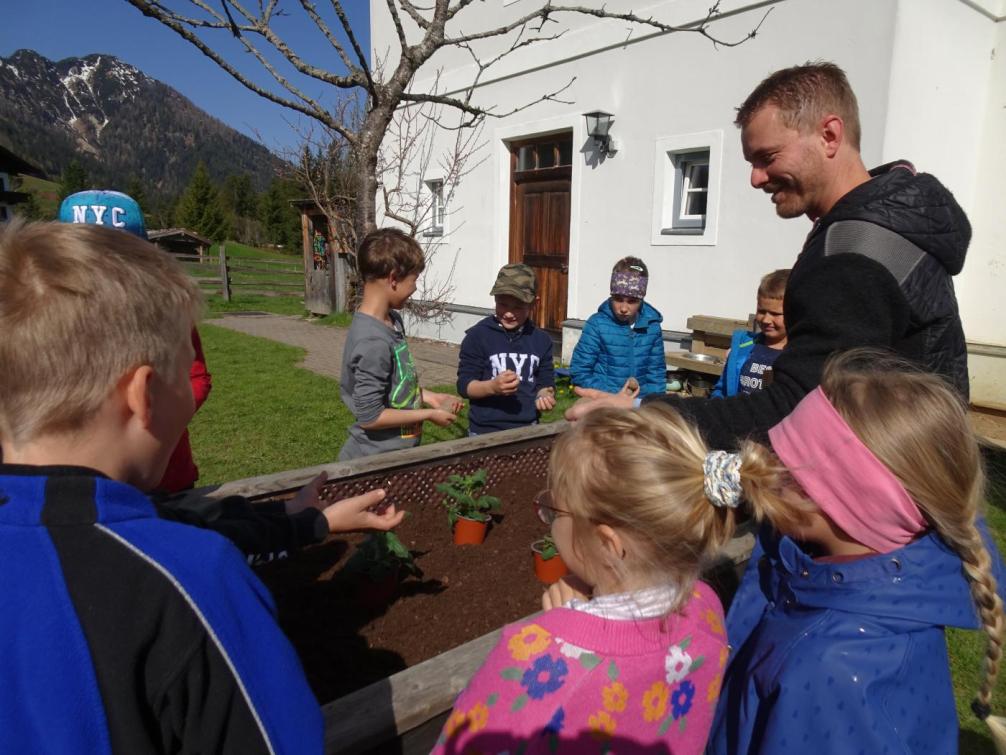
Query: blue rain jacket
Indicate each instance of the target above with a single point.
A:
(843, 658)
(609, 352)
(741, 343)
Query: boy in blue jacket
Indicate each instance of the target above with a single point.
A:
(505, 366)
(622, 342)
(752, 354)
(120, 631)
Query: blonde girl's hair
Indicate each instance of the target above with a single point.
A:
(631, 264)
(917, 425)
(80, 306)
(641, 472)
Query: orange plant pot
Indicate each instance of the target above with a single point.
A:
(549, 571)
(470, 531)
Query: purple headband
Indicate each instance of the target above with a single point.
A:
(629, 283)
(843, 477)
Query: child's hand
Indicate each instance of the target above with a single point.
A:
(363, 512)
(442, 418)
(591, 399)
(560, 593)
(506, 383)
(445, 401)
(545, 400)
(308, 496)
(631, 388)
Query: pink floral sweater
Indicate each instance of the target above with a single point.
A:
(570, 682)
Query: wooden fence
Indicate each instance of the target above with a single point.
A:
(220, 274)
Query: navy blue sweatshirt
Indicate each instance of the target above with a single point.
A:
(487, 351)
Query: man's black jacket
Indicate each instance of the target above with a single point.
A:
(874, 271)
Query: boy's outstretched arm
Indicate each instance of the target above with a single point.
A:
(446, 401)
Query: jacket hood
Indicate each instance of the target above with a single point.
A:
(647, 314)
(914, 205)
(922, 583)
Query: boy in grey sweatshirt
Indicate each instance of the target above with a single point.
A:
(379, 382)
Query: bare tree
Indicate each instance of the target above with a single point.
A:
(386, 89)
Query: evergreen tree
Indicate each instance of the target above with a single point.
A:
(280, 219)
(75, 178)
(31, 209)
(200, 208)
(239, 196)
(135, 189)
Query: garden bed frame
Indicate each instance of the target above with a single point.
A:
(406, 710)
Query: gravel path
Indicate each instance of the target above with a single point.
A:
(436, 362)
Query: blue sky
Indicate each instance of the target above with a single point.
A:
(59, 29)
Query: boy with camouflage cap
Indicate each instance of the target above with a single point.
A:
(505, 367)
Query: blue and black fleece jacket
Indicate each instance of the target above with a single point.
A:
(123, 633)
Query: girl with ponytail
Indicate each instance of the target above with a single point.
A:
(838, 638)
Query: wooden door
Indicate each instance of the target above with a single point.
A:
(540, 171)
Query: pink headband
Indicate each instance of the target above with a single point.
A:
(843, 477)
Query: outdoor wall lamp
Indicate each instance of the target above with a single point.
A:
(598, 125)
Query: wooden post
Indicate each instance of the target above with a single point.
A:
(341, 283)
(225, 281)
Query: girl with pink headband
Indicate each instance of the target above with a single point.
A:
(874, 484)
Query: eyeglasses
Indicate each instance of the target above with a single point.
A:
(545, 508)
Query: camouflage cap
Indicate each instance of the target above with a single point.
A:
(516, 280)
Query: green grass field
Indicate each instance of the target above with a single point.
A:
(265, 415)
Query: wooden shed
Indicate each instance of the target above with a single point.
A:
(10, 166)
(180, 241)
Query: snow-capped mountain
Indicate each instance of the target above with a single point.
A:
(118, 122)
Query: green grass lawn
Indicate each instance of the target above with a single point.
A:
(235, 249)
(266, 415)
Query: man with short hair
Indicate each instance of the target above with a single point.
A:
(876, 267)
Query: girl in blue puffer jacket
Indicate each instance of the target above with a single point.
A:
(622, 342)
(872, 490)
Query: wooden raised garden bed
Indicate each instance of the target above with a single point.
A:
(387, 667)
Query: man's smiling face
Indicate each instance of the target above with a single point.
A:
(785, 163)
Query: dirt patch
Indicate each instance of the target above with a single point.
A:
(465, 592)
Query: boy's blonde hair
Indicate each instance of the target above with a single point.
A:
(80, 306)
(642, 471)
(773, 285)
(386, 251)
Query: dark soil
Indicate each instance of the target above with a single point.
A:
(465, 592)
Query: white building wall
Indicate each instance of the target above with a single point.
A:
(929, 90)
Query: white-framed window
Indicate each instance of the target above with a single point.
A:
(691, 192)
(438, 211)
(686, 189)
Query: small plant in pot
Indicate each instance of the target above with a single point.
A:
(548, 564)
(380, 562)
(468, 509)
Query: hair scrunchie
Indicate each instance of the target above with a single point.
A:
(722, 479)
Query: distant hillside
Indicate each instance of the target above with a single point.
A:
(119, 123)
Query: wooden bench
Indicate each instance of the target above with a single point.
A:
(710, 344)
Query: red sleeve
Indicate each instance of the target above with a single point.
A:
(199, 376)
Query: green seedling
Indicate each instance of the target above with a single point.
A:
(463, 497)
(382, 553)
(546, 548)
